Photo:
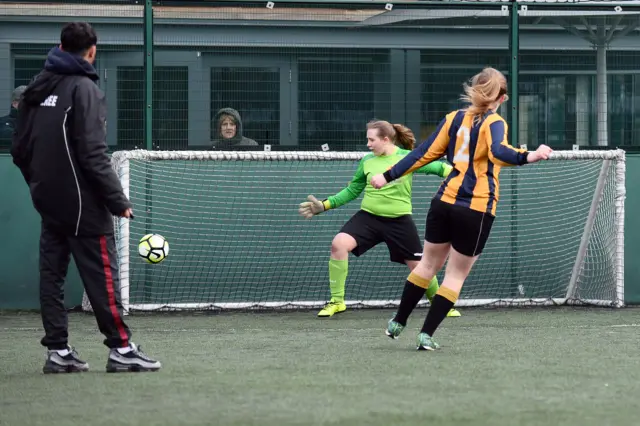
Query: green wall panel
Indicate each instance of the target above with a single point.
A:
(20, 230)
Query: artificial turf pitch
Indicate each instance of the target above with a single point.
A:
(542, 366)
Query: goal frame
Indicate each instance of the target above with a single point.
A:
(121, 160)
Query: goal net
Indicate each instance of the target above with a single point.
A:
(237, 241)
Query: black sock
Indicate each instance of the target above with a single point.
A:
(410, 298)
(439, 309)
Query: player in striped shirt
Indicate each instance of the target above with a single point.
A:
(385, 215)
(462, 212)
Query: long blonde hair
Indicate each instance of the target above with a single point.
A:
(401, 136)
(486, 88)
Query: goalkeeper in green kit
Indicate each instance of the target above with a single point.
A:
(385, 214)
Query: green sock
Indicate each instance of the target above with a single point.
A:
(338, 270)
(433, 288)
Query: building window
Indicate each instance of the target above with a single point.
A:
(170, 108)
(255, 93)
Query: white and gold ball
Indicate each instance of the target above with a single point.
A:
(153, 248)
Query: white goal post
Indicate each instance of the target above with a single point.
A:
(237, 241)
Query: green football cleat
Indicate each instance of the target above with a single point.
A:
(426, 343)
(454, 313)
(393, 329)
(332, 308)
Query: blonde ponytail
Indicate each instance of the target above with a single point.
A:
(486, 88)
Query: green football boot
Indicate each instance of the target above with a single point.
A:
(394, 328)
(426, 343)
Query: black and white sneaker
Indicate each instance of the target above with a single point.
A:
(130, 359)
(64, 361)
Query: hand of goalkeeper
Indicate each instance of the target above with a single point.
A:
(446, 168)
(310, 208)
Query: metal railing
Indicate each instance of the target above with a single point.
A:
(307, 74)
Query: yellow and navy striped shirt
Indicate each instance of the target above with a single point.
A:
(477, 152)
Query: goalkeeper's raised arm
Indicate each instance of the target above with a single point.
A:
(384, 216)
(392, 203)
(313, 206)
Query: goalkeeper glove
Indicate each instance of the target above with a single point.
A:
(446, 169)
(312, 207)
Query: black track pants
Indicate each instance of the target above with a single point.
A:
(96, 261)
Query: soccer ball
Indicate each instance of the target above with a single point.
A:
(153, 248)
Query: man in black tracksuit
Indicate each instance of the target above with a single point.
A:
(59, 146)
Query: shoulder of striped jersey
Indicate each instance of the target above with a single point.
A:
(494, 118)
(449, 117)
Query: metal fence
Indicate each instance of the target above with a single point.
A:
(303, 74)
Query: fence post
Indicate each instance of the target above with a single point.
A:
(148, 74)
(148, 131)
(514, 55)
(514, 70)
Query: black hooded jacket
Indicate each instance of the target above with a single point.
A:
(238, 140)
(59, 145)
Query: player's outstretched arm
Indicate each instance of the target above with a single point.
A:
(439, 168)
(313, 206)
(500, 152)
(430, 150)
(503, 154)
(542, 153)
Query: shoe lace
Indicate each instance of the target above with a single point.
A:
(138, 351)
(426, 339)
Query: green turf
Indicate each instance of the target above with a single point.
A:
(496, 367)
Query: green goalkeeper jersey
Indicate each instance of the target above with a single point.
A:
(393, 199)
